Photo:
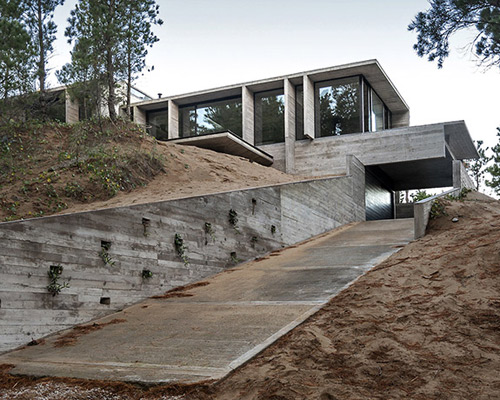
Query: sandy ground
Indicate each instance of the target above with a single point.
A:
(424, 324)
(192, 171)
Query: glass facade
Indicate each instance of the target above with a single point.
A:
(348, 105)
(157, 123)
(269, 117)
(341, 106)
(338, 107)
(216, 116)
(377, 113)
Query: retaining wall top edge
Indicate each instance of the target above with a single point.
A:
(133, 206)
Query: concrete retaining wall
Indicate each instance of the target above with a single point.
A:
(142, 238)
(422, 210)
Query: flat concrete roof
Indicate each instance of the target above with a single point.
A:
(431, 172)
(370, 69)
(228, 143)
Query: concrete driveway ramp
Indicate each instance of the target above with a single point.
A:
(205, 331)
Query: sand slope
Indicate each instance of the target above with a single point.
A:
(425, 324)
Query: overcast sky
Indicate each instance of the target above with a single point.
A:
(205, 44)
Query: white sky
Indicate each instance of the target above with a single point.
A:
(205, 44)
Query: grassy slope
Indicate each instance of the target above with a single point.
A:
(44, 168)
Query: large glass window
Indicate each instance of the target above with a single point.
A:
(377, 113)
(157, 123)
(217, 116)
(269, 117)
(299, 112)
(338, 107)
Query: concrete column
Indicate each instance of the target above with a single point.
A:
(401, 120)
(309, 118)
(139, 116)
(71, 110)
(289, 127)
(248, 106)
(173, 120)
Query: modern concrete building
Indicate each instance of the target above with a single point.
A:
(63, 108)
(307, 123)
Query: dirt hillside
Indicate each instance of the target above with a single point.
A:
(52, 168)
(424, 324)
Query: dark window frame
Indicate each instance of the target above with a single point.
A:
(330, 82)
(158, 110)
(198, 105)
(271, 92)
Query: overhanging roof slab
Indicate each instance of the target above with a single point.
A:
(228, 143)
(420, 174)
(370, 69)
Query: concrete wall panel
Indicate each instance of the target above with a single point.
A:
(28, 248)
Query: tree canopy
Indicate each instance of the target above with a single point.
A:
(445, 17)
(39, 15)
(16, 51)
(494, 168)
(110, 40)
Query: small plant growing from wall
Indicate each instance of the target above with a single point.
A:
(145, 224)
(55, 286)
(233, 219)
(180, 248)
(253, 241)
(273, 229)
(104, 253)
(254, 203)
(234, 258)
(146, 274)
(209, 230)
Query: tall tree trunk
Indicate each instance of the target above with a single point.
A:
(111, 86)
(41, 62)
(109, 65)
(129, 83)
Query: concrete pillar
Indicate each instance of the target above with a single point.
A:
(248, 106)
(173, 120)
(139, 116)
(71, 110)
(401, 120)
(309, 117)
(290, 127)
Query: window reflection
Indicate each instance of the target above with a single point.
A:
(377, 113)
(269, 117)
(157, 123)
(338, 107)
(299, 112)
(217, 116)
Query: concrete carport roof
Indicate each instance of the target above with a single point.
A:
(434, 171)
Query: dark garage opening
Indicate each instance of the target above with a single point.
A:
(379, 197)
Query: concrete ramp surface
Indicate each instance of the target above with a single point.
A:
(206, 331)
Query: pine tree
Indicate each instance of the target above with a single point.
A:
(111, 39)
(94, 28)
(39, 15)
(477, 167)
(494, 169)
(16, 52)
(445, 17)
(139, 17)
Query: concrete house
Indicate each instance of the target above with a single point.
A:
(65, 109)
(308, 123)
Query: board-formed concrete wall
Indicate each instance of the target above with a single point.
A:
(142, 238)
